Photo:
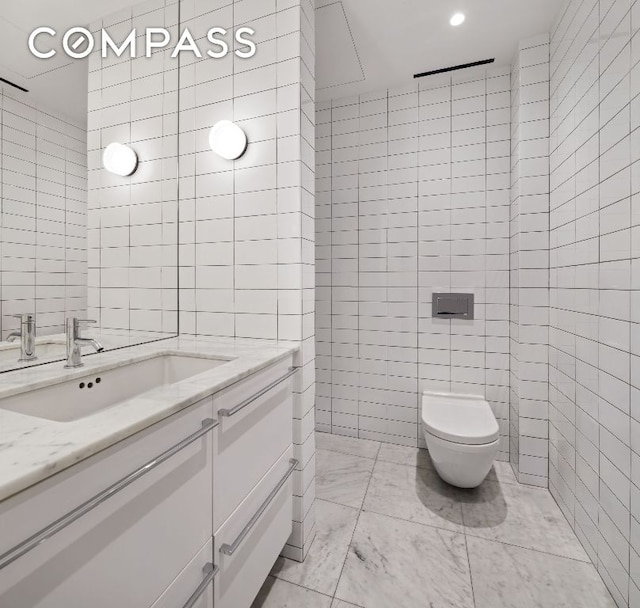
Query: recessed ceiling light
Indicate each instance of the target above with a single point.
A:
(457, 19)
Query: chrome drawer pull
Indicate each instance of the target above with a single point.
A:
(52, 529)
(232, 548)
(250, 400)
(209, 573)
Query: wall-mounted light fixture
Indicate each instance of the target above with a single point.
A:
(228, 140)
(457, 19)
(120, 159)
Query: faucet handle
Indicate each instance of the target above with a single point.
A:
(86, 321)
(72, 325)
(76, 322)
(25, 317)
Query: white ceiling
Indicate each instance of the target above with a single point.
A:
(361, 46)
(368, 45)
(57, 83)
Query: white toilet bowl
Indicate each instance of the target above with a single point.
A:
(462, 436)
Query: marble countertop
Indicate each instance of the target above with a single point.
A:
(32, 449)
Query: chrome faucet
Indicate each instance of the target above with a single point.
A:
(75, 341)
(27, 336)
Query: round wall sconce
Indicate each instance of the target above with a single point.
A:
(120, 160)
(228, 140)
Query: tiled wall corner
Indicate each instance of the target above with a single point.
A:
(529, 262)
(43, 198)
(514, 271)
(305, 386)
(595, 284)
(412, 196)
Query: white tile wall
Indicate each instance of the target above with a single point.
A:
(133, 222)
(529, 286)
(412, 197)
(595, 284)
(43, 197)
(246, 227)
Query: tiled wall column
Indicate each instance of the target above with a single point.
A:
(247, 227)
(43, 198)
(529, 265)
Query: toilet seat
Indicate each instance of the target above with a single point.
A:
(463, 419)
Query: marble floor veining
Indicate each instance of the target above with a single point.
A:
(391, 533)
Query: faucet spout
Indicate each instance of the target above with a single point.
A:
(74, 341)
(91, 342)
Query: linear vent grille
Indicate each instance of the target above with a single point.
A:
(454, 68)
(13, 84)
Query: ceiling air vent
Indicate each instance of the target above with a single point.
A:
(454, 68)
(13, 84)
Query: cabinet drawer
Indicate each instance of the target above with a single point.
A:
(194, 586)
(248, 544)
(127, 549)
(250, 440)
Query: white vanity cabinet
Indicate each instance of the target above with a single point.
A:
(193, 588)
(127, 550)
(249, 542)
(253, 489)
(191, 512)
(255, 428)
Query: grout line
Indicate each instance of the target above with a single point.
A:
(340, 504)
(330, 253)
(299, 586)
(464, 532)
(345, 454)
(178, 301)
(466, 547)
(355, 527)
(539, 551)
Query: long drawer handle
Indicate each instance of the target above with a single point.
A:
(52, 529)
(233, 411)
(233, 547)
(209, 573)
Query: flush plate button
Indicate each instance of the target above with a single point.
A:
(453, 306)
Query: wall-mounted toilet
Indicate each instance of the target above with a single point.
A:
(462, 435)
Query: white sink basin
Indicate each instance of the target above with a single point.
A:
(97, 392)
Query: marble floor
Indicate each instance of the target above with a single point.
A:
(391, 533)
